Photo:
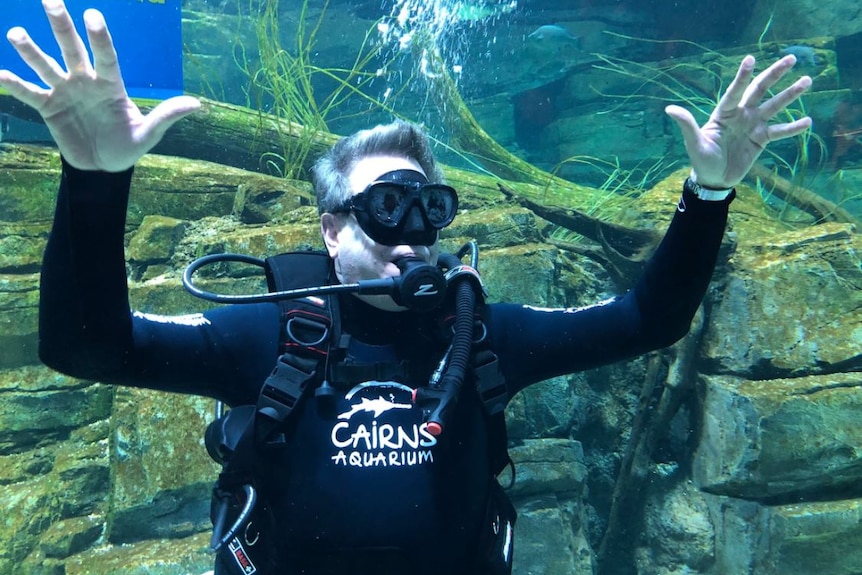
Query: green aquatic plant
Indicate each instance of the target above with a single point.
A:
(210, 84)
(845, 192)
(798, 166)
(694, 85)
(281, 81)
(619, 183)
(763, 32)
(287, 83)
(809, 157)
(619, 188)
(671, 81)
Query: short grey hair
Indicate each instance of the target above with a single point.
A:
(329, 175)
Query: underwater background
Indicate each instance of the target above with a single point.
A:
(736, 451)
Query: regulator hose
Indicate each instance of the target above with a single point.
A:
(444, 395)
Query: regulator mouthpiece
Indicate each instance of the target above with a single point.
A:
(421, 286)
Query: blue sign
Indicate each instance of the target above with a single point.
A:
(147, 35)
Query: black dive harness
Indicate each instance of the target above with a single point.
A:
(311, 335)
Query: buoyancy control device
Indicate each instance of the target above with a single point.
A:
(310, 329)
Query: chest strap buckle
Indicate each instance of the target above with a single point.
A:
(280, 393)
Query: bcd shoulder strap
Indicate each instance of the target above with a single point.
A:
(309, 325)
(494, 395)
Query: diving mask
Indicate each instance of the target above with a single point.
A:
(402, 208)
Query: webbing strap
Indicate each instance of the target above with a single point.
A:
(494, 394)
(490, 381)
(280, 393)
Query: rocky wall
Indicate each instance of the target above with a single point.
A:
(757, 473)
(774, 480)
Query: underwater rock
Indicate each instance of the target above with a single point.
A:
(599, 131)
(551, 538)
(496, 226)
(791, 306)
(800, 19)
(780, 439)
(258, 205)
(190, 555)
(295, 230)
(548, 494)
(46, 484)
(32, 417)
(19, 300)
(792, 539)
(29, 176)
(70, 536)
(678, 528)
(547, 409)
(545, 466)
(155, 240)
(21, 246)
(162, 474)
(34, 506)
(507, 267)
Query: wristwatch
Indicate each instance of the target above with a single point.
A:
(703, 193)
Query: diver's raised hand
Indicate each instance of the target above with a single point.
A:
(723, 150)
(94, 123)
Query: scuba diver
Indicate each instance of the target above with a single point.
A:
(365, 428)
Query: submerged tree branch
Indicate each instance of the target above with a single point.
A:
(802, 198)
(222, 133)
(624, 251)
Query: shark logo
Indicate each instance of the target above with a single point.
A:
(381, 438)
(376, 406)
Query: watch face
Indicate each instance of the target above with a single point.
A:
(691, 186)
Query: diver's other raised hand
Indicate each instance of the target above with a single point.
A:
(94, 123)
(723, 150)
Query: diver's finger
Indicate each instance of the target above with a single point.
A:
(27, 92)
(104, 53)
(788, 130)
(781, 100)
(71, 45)
(736, 89)
(165, 115)
(766, 79)
(46, 67)
(686, 122)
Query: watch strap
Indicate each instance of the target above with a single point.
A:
(704, 193)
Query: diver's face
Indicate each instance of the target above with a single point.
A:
(358, 257)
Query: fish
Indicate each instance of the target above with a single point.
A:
(551, 50)
(805, 55)
(554, 35)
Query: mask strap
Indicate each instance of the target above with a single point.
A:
(403, 176)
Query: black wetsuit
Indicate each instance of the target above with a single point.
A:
(364, 474)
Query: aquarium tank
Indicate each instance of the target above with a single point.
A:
(737, 450)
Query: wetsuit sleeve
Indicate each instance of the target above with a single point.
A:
(534, 344)
(86, 328)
